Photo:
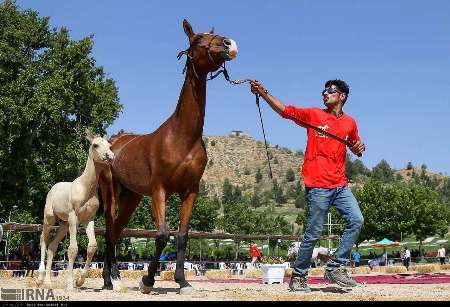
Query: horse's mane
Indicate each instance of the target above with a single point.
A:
(118, 135)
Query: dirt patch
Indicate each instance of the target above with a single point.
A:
(205, 290)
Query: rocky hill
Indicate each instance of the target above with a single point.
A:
(238, 157)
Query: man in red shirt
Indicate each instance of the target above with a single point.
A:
(323, 172)
(254, 252)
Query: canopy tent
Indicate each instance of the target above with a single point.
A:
(384, 243)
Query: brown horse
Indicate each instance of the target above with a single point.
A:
(169, 160)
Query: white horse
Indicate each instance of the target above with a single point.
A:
(74, 203)
(320, 252)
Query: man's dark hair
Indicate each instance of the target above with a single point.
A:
(341, 85)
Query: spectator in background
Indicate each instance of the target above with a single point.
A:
(407, 257)
(254, 252)
(441, 254)
(356, 257)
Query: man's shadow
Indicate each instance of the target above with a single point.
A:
(331, 289)
(155, 291)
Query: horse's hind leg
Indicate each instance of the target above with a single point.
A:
(128, 203)
(159, 213)
(49, 220)
(182, 239)
(52, 247)
(109, 196)
(92, 247)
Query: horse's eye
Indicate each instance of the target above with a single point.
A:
(95, 145)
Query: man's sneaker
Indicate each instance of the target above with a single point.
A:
(299, 284)
(341, 277)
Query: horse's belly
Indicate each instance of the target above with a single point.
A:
(134, 174)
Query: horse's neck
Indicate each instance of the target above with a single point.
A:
(189, 114)
(90, 175)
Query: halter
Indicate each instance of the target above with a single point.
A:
(192, 61)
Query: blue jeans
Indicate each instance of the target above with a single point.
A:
(319, 201)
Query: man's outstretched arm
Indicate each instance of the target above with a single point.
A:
(257, 88)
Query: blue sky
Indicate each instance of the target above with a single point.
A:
(395, 55)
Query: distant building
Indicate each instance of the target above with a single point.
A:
(238, 133)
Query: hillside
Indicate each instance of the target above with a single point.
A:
(238, 158)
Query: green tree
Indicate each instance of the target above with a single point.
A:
(237, 194)
(256, 198)
(430, 215)
(204, 213)
(300, 201)
(227, 191)
(142, 217)
(50, 91)
(290, 175)
(383, 172)
(277, 192)
(258, 176)
(386, 210)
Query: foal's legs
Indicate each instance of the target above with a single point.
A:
(49, 220)
(159, 213)
(72, 251)
(52, 247)
(92, 247)
(182, 239)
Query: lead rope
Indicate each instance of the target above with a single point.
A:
(264, 133)
(237, 82)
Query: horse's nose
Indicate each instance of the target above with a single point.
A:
(227, 42)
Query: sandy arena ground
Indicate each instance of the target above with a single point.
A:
(212, 291)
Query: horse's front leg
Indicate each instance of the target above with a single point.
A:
(72, 251)
(182, 239)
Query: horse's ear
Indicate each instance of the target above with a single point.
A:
(188, 29)
(211, 31)
(89, 135)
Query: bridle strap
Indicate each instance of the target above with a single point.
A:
(190, 59)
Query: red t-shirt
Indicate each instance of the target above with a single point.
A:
(254, 251)
(324, 163)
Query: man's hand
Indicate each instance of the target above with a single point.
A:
(358, 147)
(257, 88)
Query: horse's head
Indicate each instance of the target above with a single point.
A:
(100, 148)
(208, 51)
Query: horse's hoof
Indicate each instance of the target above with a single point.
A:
(107, 287)
(118, 285)
(143, 288)
(47, 285)
(71, 289)
(186, 290)
(80, 282)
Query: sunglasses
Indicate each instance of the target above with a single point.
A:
(331, 90)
